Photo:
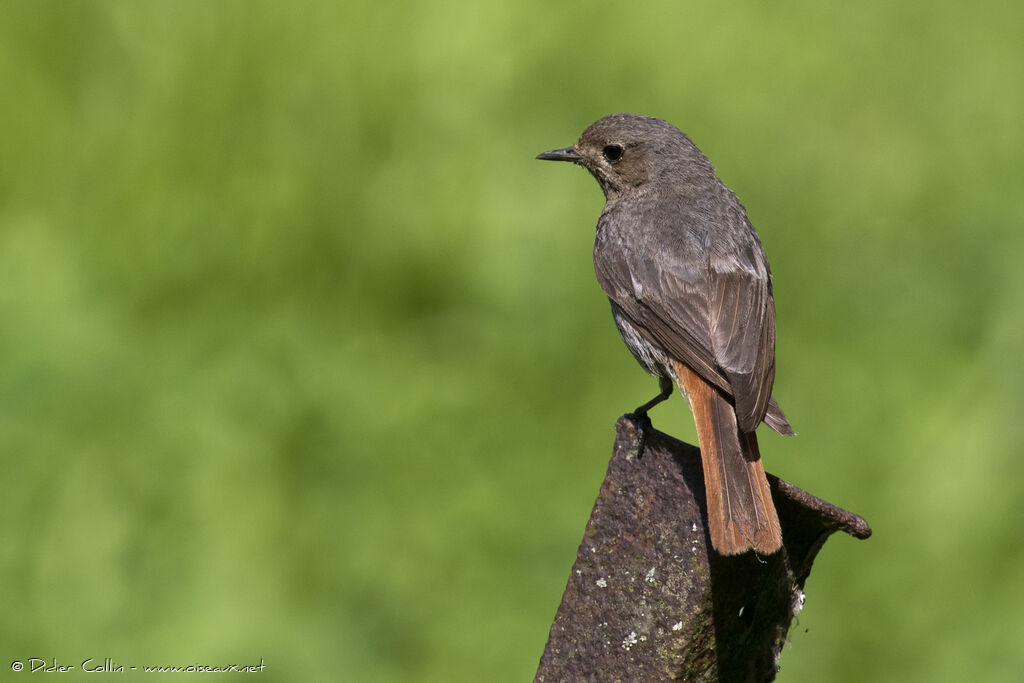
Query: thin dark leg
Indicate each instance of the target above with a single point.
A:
(640, 414)
(665, 384)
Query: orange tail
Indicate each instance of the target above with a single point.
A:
(741, 514)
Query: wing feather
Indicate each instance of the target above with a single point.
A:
(707, 304)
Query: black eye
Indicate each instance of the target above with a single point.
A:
(612, 152)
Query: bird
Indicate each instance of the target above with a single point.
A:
(691, 295)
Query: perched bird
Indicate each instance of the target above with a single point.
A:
(691, 294)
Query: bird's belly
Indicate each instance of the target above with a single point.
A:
(651, 357)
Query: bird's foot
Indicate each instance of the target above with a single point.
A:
(643, 424)
(640, 418)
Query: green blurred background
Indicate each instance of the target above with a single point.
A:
(302, 357)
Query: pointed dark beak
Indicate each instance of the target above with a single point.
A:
(567, 154)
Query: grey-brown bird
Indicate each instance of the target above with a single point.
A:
(691, 294)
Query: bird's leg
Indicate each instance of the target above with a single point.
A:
(665, 384)
(640, 414)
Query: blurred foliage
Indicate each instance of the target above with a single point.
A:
(302, 357)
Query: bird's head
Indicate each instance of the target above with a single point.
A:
(626, 152)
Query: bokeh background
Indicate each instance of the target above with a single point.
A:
(302, 357)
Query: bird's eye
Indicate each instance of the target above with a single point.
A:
(612, 152)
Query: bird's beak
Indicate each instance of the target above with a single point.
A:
(567, 154)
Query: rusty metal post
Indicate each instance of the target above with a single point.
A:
(648, 599)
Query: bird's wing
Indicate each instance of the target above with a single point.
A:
(743, 339)
(665, 298)
(713, 313)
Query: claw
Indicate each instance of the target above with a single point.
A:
(643, 423)
(639, 416)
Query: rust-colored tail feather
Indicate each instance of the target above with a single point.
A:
(741, 515)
